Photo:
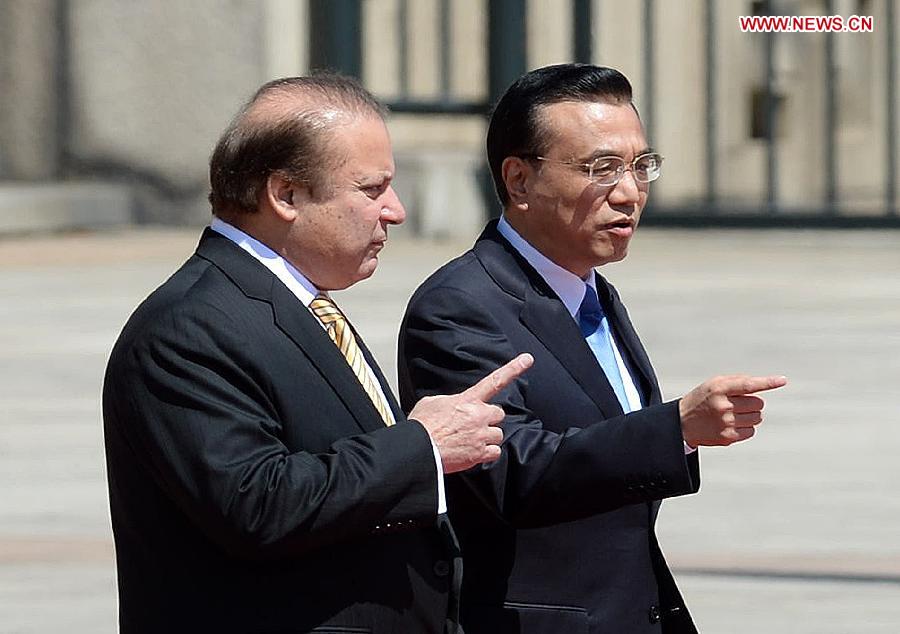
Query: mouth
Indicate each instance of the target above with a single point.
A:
(622, 226)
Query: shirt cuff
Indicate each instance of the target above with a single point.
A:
(442, 496)
(688, 450)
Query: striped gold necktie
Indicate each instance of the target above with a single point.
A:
(340, 332)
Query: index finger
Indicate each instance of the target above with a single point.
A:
(737, 386)
(491, 385)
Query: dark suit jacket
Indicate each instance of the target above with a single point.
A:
(557, 535)
(253, 486)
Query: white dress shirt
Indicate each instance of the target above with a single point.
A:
(306, 292)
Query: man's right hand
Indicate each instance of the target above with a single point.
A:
(464, 426)
(723, 410)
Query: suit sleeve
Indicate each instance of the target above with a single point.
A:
(448, 341)
(189, 404)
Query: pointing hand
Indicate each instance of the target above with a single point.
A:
(724, 410)
(464, 426)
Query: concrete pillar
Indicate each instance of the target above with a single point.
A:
(30, 72)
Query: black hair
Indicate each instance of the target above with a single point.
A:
(515, 127)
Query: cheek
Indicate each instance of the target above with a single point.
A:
(360, 227)
(590, 201)
(366, 217)
(641, 203)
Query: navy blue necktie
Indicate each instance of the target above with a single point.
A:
(595, 330)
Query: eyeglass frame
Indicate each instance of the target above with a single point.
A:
(626, 166)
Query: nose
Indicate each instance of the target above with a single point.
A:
(627, 191)
(392, 211)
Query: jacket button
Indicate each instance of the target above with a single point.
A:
(654, 614)
(441, 568)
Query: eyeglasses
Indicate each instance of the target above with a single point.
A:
(609, 170)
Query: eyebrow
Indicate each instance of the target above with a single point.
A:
(370, 180)
(605, 152)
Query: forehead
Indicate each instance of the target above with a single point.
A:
(363, 146)
(578, 129)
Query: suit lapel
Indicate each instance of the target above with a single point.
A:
(292, 318)
(549, 321)
(305, 330)
(628, 341)
(544, 314)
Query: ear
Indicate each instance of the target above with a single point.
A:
(283, 196)
(515, 172)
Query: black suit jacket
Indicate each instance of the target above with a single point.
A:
(253, 486)
(557, 535)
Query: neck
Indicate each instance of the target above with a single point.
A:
(539, 241)
(254, 225)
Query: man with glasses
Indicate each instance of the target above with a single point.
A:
(558, 534)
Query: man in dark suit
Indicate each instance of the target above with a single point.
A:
(262, 477)
(558, 534)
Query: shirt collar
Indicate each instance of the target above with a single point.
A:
(296, 282)
(568, 286)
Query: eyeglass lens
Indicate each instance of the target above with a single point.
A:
(608, 170)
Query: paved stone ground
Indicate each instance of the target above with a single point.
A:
(794, 531)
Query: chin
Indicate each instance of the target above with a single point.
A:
(366, 270)
(608, 258)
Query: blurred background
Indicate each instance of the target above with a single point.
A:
(771, 244)
(110, 108)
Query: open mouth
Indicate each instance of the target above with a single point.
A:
(624, 223)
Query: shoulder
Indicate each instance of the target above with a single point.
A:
(461, 272)
(197, 305)
(460, 276)
(486, 271)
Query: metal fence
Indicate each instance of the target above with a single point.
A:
(337, 28)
